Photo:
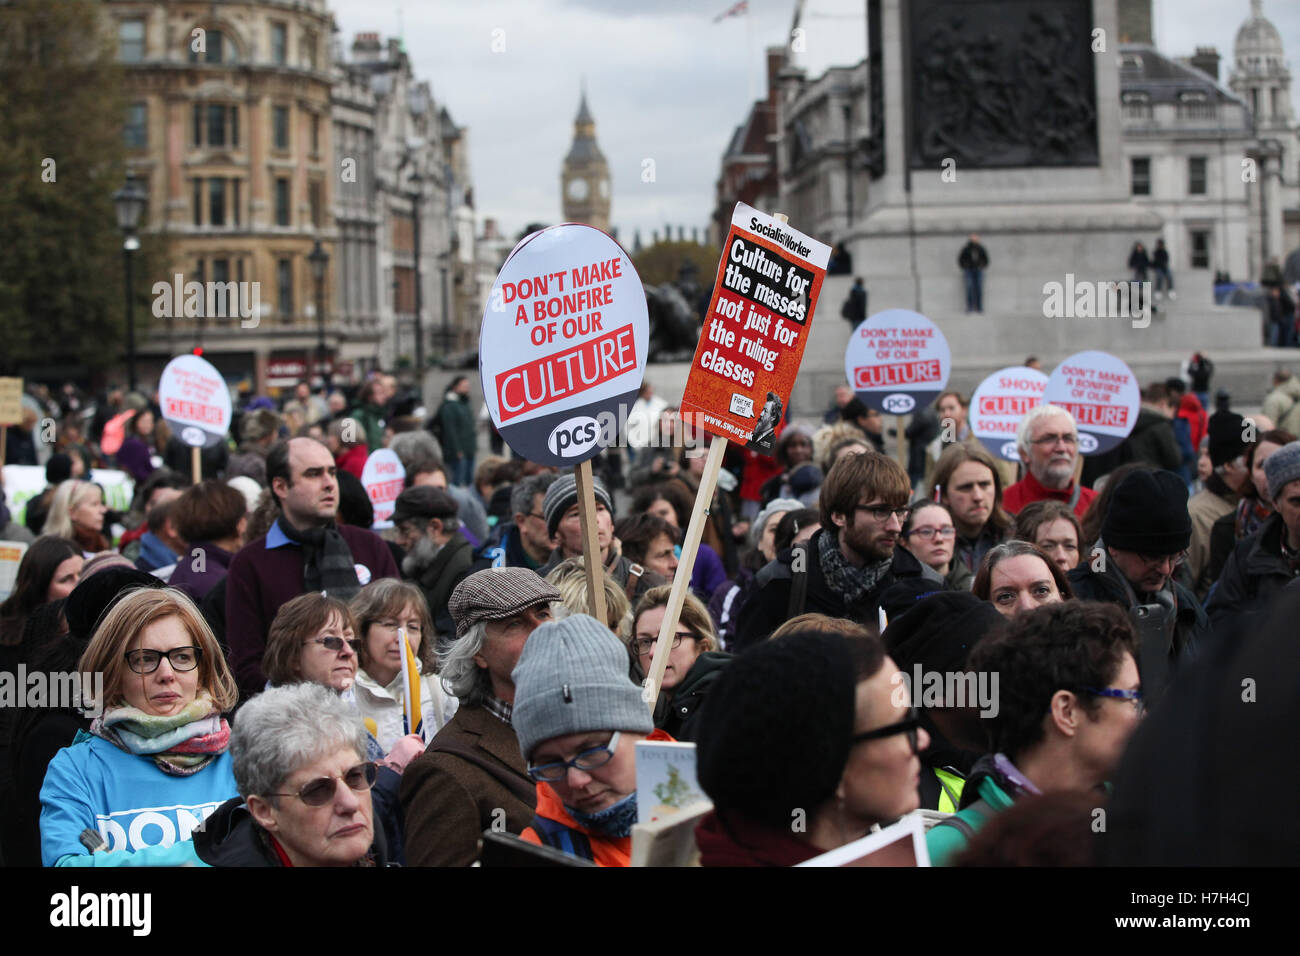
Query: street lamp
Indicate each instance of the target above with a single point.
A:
(319, 259)
(129, 203)
(417, 183)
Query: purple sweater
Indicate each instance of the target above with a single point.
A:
(262, 579)
(196, 583)
(134, 458)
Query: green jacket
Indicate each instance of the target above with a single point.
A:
(371, 419)
(458, 437)
(986, 792)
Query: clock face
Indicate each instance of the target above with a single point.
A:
(604, 189)
(578, 189)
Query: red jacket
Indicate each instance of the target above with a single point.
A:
(1190, 408)
(605, 851)
(1028, 490)
(353, 459)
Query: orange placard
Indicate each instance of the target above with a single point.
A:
(755, 330)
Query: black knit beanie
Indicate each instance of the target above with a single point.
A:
(1148, 513)
(940, 631)
(1225, 437)
(92, 598)
(775, 729)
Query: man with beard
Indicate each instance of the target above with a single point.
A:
(1144, 539)
(847, 565)
(437, 554)
(304, 550)
(1048, 442)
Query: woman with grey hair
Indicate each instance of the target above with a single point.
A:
(298, 756)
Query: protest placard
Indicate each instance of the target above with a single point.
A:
(383, 477)
(745, 364)
(998, 405)
(896, 361)
(11, 556)
(195, 402)
(1102, 394)
(11, 409)
(562, 349)
(755, 329)
(562, 352)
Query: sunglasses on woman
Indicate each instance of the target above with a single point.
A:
(334, 643)
(318, 792)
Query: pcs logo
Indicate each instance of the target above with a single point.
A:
(574, 437)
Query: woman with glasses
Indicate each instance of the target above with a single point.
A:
(304, 787)
(155, 762)
(842, 758)
(694, 663)
(386, 611)
(931, 536)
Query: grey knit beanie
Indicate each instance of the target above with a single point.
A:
(1281, 467)
(563, 495)
(775, 507)
(572, 678)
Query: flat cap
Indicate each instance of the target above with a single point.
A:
(496, 593)
(423, 501)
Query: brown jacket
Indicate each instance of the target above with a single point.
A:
(448, 801)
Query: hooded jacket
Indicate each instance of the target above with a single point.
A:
(768, 604)
(555, 827)
(1256, 571)
(231, 837)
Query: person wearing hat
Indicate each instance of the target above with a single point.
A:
(842, 758)
(578, 716)
(564, 525)
(936, 636)
(1144, 539)
(1219, 496)
(472, 776)
(437, 554)
(1261, 565)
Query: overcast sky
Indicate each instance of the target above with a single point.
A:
(663, 81)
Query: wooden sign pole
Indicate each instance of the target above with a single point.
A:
(196, 464)
(4, 438)
(591, 541)
(900, 435)
(685, 567)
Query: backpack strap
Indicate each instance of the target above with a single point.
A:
(799, 582)
(522, 789)
(633, 579)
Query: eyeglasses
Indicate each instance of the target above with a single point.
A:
(318, 792)
(1047, 441)
(534, 514)
(592, 759)
(334, 643)
(910, 726)
(1154, 559)
(180, 658)
(881, 513)
(1132, 696)
(644, 645)
(928, 533)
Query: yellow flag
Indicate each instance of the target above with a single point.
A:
(410, 687)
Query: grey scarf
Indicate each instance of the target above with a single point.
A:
(844, 579)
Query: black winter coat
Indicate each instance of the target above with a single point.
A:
(767, 607)
(1191, 625)
(678, 714)
(1256, 571)
(231, 837)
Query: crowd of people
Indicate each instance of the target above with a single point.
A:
(276, 683)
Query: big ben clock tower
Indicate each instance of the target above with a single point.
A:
(584, 178)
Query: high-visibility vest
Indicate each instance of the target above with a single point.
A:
(951, 784)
